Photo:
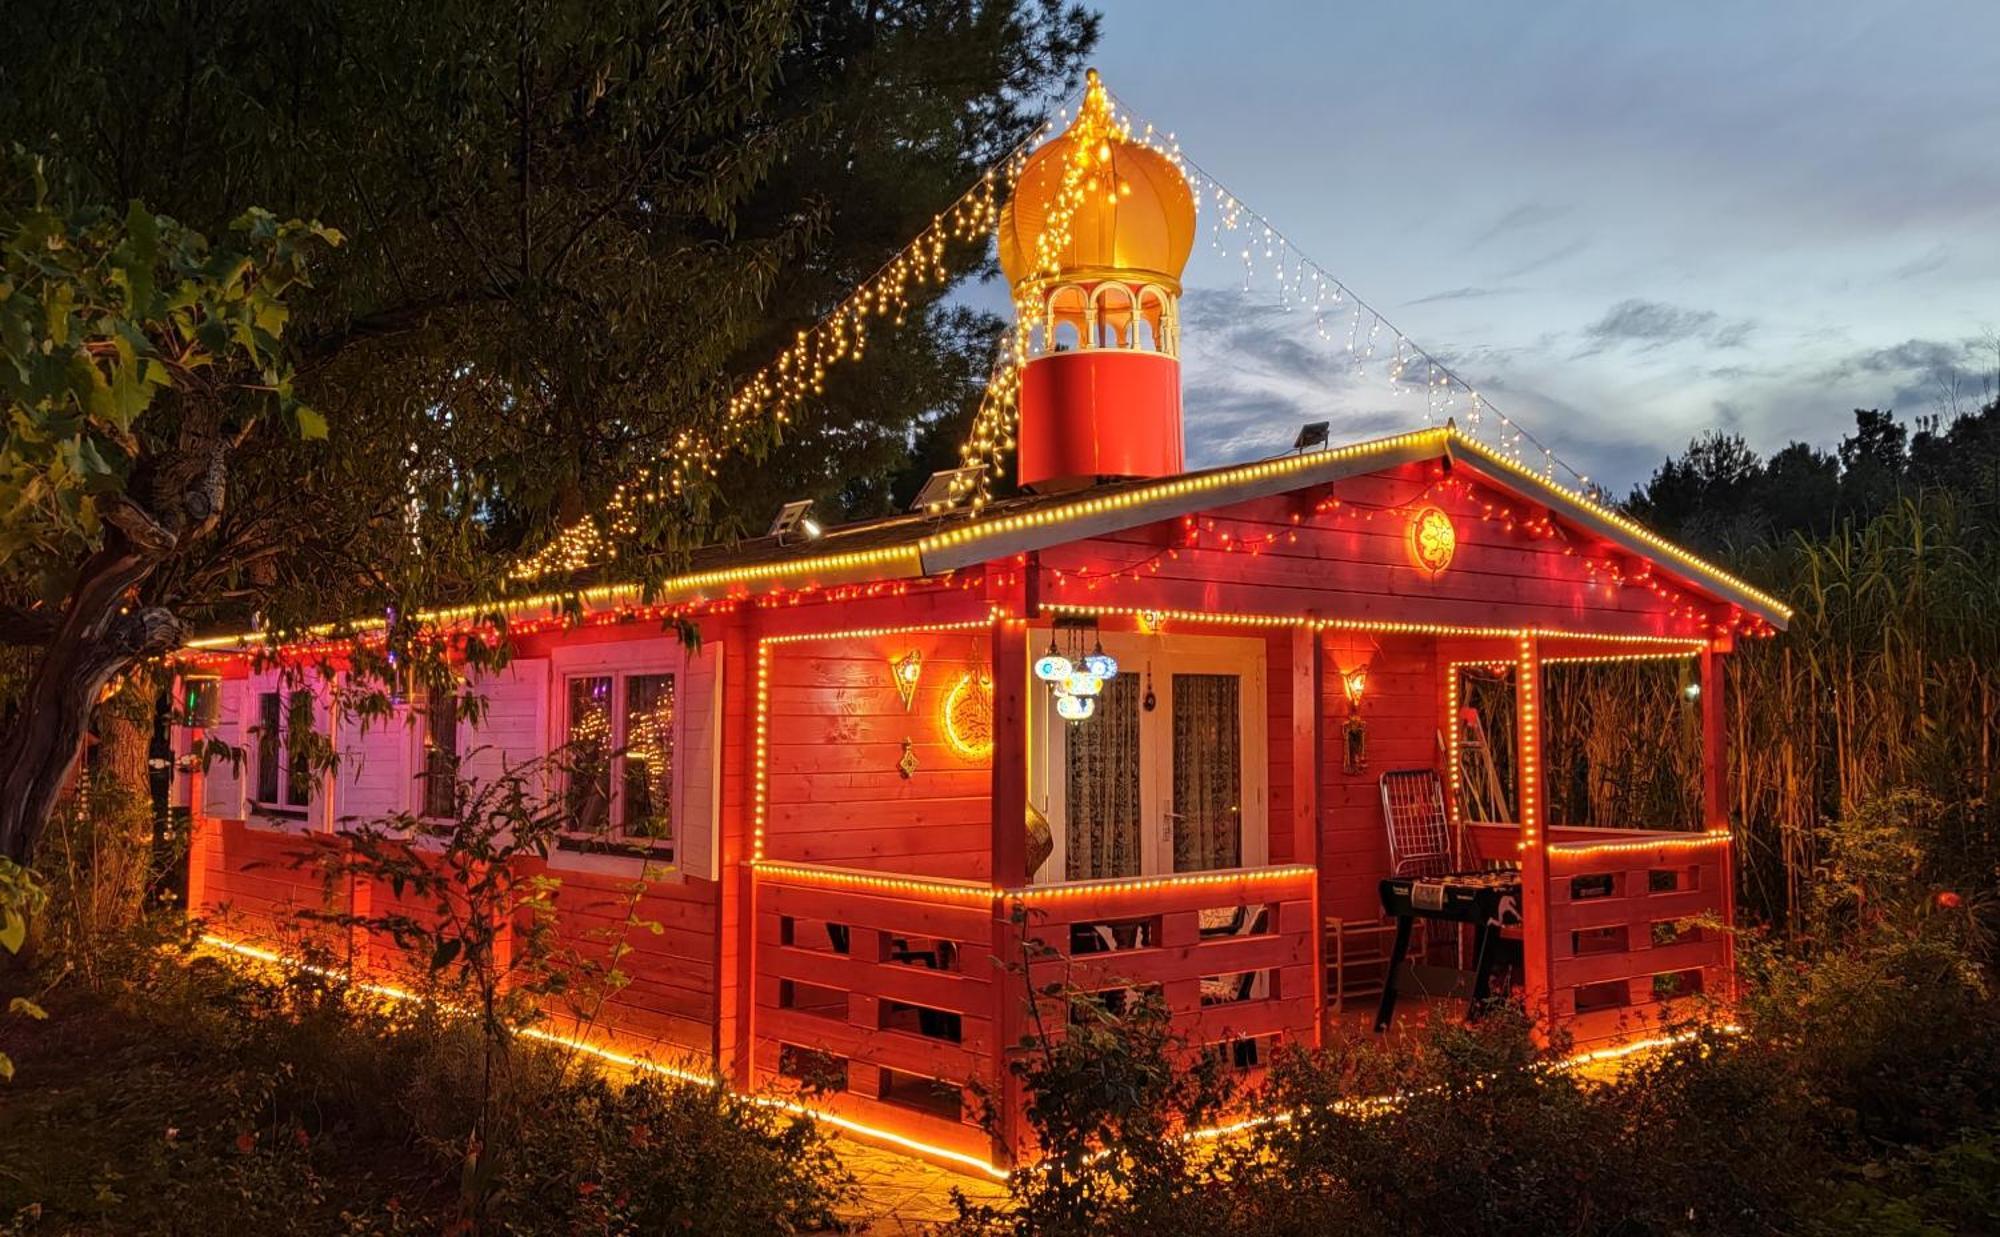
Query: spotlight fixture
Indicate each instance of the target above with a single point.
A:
(795, 517)
(1312, 435)
(945, 488)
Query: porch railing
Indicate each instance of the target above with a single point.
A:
(1231, 953)
(883, 993)
(876, 993)
(1621, 947)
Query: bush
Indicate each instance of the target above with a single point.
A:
(194, 1097)
(1862, 1095)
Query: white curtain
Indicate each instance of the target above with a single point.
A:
(1208, 772)
(1101, 791)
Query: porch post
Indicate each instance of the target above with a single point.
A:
(736, 880)
(1538, 978)
(1715, 788)
(1009, 870)
(1307, 755)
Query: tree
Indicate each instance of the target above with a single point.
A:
(575, 229)
(137, 359)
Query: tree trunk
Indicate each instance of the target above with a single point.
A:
(121, 803)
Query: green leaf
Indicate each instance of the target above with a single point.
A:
(13, 930)
(311, 424)
(27, 1009)
(6, 1068)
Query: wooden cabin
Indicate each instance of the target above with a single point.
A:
(896, 775)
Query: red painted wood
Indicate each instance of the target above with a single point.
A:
(1536, 947)
(1306, 752)
(1009, 642)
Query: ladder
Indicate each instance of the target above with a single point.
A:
(1478, 777)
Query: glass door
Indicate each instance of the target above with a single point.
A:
(1167, 774)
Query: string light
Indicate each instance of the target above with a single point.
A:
(1698, 841)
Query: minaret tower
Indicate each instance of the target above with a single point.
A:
(1093, 241)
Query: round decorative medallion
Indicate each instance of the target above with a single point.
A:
(1433, 540)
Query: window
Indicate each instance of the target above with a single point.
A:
(284, 760)
(440, 763)
(620, 732)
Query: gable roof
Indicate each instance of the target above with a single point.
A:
(916, 545)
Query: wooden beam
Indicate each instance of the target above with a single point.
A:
(1715, 788)
(1308, 753)
(1010, 861)
(1536, 934)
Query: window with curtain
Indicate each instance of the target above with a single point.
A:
(1208, 772)
(1101, 786)
(441, 756)
(587, 794)
(646, 807)
(284, 783)
(620, 729)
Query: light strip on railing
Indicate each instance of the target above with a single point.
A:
(1153, 884)
(638, 1064)
(1712, 837)
(811, 874)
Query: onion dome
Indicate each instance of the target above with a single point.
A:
(1130, 212)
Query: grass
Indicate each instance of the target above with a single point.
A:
(116, 1124)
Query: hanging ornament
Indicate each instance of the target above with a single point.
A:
(1151, 702)
(1075, 708)
(1053, 667)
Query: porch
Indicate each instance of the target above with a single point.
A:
(894, 966)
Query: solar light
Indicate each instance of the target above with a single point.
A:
(796, 515)
(1312, 434)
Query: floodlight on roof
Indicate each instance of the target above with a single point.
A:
(795, 516)
(945, 488)
(1313, 434)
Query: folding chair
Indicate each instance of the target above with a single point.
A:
(1421, 842)
(1420, 837)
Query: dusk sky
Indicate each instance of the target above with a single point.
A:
(1623, 224)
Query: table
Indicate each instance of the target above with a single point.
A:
(1489, 900)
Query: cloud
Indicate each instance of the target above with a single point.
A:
(1553, 256)
(1933, 260)
(1461, 294)
(1521, 218)
(1656, 324)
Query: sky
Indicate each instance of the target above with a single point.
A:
(1622, 224)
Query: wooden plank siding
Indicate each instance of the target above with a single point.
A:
(837, 725)
(1353, 563)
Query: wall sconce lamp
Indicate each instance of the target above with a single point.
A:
(1354, 750)
(1355, 682)
(906, 670)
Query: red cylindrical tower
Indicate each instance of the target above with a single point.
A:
(1093, 240)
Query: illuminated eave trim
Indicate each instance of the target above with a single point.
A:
(1682, 646)
(999, 536)
(693, 587)
(1618, 528)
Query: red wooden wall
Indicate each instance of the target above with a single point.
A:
(1353, 562)
(837, 725)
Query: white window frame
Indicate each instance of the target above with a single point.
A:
(620, 661)
(1168, 654)
(315, 813)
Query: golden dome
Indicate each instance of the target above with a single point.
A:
(1135, 216)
